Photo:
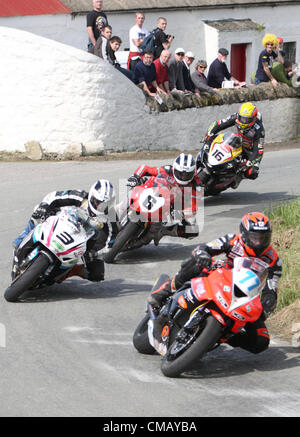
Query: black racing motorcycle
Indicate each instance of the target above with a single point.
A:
(220, 165)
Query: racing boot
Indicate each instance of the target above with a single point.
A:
(160, 295)
(164, 231)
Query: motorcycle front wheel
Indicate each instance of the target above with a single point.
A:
(27, 279)
(183, 353)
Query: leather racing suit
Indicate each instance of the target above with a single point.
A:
(255, 337)
(191, 194)
(50, 205)
(252, 141)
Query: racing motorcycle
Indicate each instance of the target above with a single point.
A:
(153, 209)
(50, 250)
(223, 300)
(222, 161)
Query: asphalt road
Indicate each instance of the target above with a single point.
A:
(68, 350)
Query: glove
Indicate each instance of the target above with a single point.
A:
(208, 137)
(134, 180)
(268, 301)
(41, 212)
(202, 258)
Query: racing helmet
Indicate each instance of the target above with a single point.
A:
(255, 233)
(101, 196)
(184, 169)
(246, 117)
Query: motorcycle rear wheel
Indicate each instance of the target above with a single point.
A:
(27, 279)
(180, 357)
(126, 234)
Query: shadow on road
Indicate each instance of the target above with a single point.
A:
(236, 362)
(251, 199)
(82, 289)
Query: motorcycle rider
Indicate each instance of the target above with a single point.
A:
(181, 174)
(253, 240)
(248, 122)
(98, 203)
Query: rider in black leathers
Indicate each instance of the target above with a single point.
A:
(248, 122)
(97, 202)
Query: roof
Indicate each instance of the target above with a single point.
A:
(15, 8)
(78, 6)
(230, 25)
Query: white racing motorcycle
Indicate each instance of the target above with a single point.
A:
(50, 250)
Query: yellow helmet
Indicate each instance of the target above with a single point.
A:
(246, 116)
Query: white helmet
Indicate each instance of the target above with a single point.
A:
(101, 196)
(184, 169)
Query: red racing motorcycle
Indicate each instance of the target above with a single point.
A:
(153, 209)
(224, 300)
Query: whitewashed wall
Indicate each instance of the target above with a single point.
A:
(58, 95)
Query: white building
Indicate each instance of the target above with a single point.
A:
(198, 25)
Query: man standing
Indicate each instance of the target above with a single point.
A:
(175, 73)
(145, 75)
(95, 21)
(136, 35)
(218, 71)
(162, 40)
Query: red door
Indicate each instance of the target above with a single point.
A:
(238, 61)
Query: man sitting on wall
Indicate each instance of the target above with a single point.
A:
(283, 72)
(145, 74)
(161, 67)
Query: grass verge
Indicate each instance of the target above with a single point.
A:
(285, 220)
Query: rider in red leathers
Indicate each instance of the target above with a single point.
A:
(253, 240)
(182, 175)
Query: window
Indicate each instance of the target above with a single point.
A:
(289, 49)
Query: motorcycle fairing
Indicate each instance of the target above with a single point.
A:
(235, 292)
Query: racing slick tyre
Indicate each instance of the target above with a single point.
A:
(183, 352)
(140, 338)
(124, 236)
(27, 279)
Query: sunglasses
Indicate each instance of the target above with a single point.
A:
(180, 54)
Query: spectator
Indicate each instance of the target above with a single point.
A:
(161, 67)
(187, 62)
(280, 47)
(218, 71)
(145, 74)
(175, 67)
(283, 72)
(266, 59)
(162, 40)
(136, 35)
(95, 20)
(199, 79)
(101, 44)
(113, 46)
